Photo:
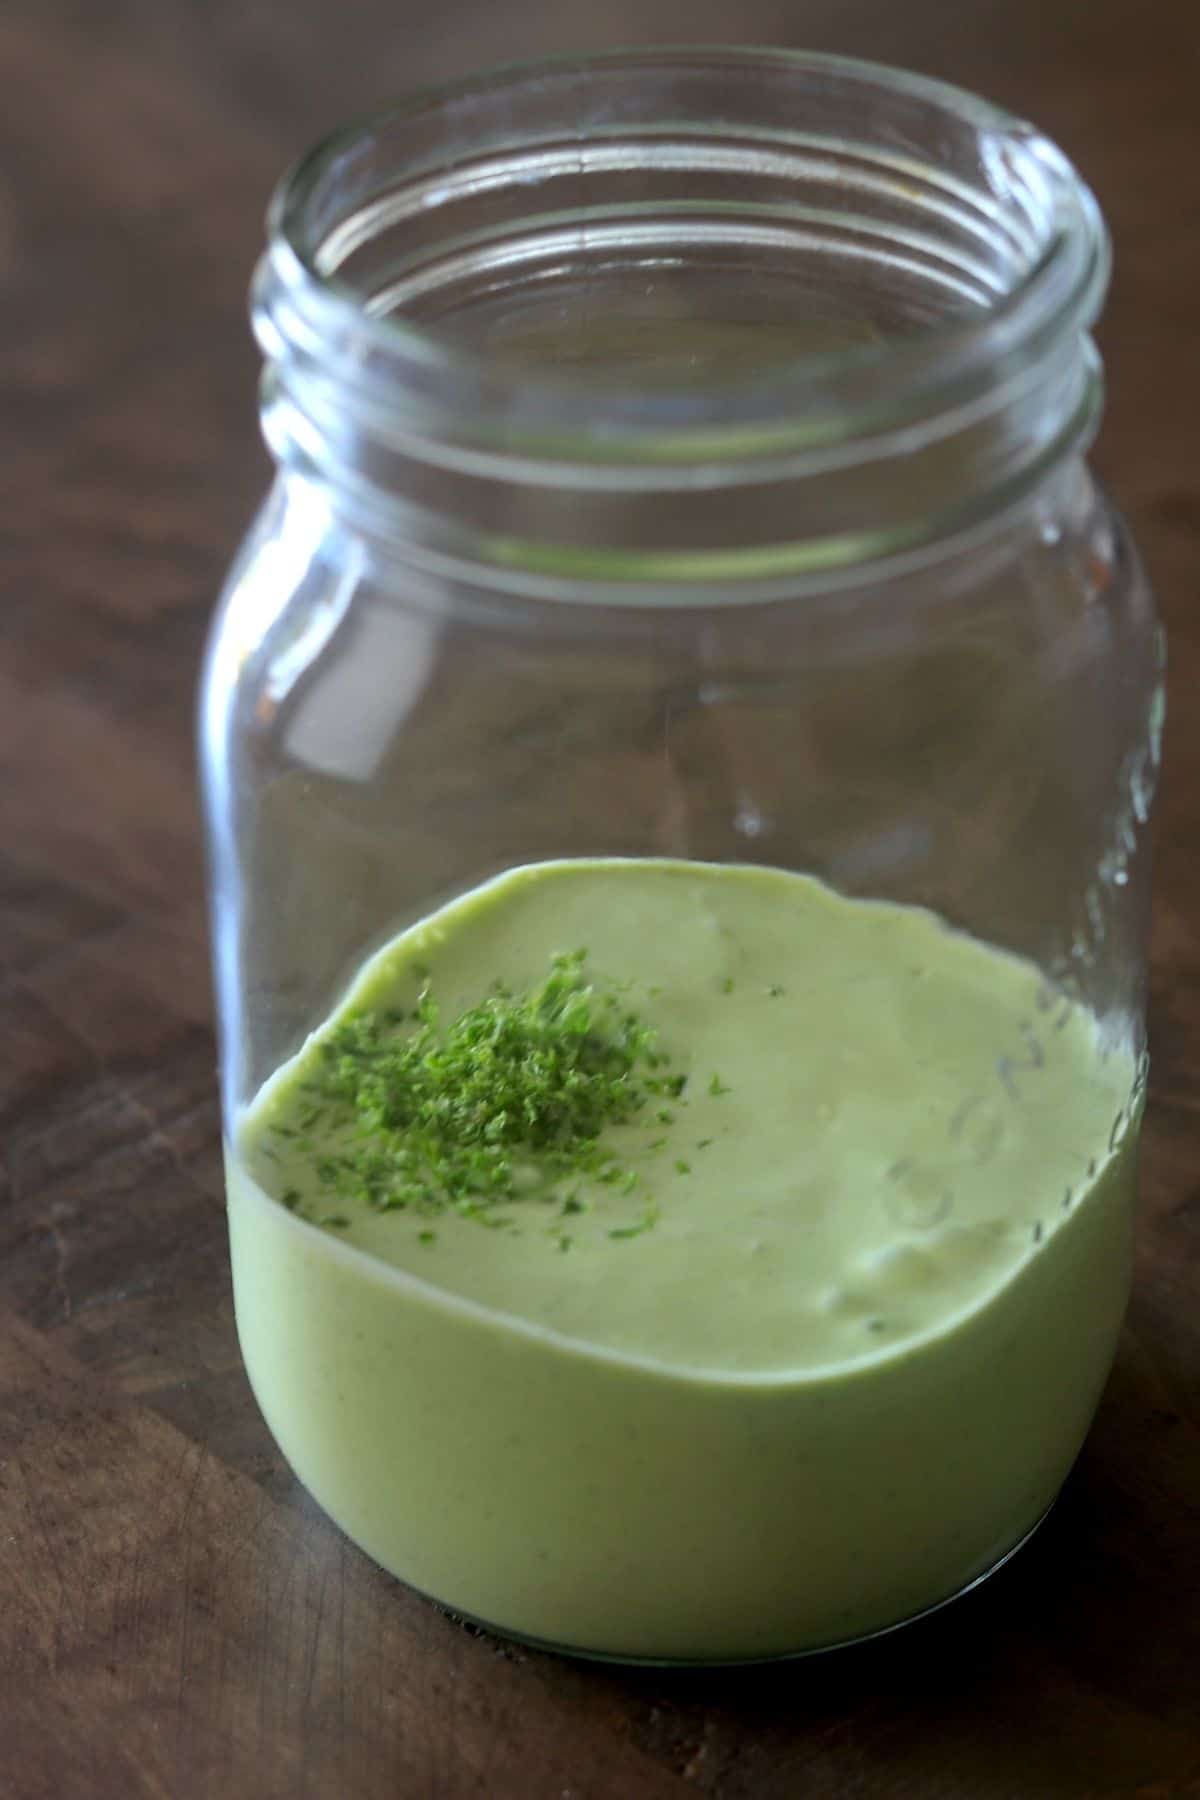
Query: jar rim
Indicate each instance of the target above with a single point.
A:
(789, 402)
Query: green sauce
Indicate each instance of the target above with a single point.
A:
(789, 1328)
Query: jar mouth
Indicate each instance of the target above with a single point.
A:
(523, 308)
(1006, 251)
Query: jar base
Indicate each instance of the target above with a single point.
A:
(627, 1660)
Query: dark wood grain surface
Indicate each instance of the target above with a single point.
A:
(176, 1618)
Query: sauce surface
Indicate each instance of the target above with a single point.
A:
(899, 1115)
(860, 1303)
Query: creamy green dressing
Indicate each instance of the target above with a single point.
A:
(828, 1359)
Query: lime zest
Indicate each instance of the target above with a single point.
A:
(500, 1105)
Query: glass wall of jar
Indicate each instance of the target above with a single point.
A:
(680, 456)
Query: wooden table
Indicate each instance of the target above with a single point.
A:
(176, 1618)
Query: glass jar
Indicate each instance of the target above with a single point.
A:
(680, 477)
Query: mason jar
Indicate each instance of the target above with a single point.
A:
(682, 617)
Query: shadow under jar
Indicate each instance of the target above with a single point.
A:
(682, 552)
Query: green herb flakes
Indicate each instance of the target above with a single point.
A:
(496, 1106)
(647, 1220)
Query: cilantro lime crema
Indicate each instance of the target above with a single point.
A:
(677, 1260)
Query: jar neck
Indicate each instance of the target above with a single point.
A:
(678, 319)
